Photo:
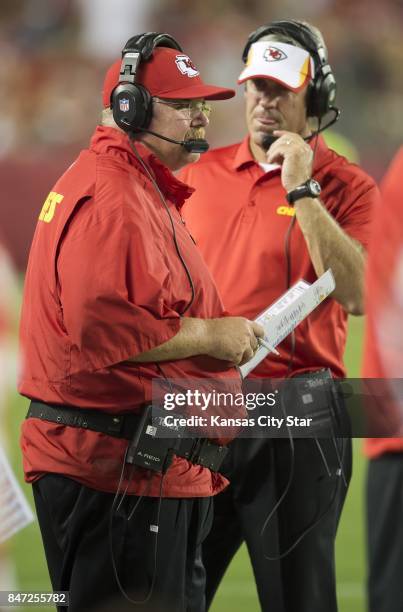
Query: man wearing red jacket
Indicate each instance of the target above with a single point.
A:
(116, 296)
(383, 360)
(275, 208)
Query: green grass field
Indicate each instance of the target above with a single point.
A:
(237, 592)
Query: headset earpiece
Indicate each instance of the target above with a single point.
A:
(131, 106)
(131, 103)
(322, 89)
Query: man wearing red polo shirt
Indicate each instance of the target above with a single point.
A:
(117, 295)
(383, 362)
(275, 208)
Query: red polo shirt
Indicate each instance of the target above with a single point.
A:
(239, 218)
(383, 352)
(104, 283)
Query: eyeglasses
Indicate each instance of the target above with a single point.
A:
(191, 107)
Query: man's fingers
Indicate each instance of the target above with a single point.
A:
(257, 329)
(275, 157)
(248, 354)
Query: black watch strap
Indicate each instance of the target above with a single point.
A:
(309, 189)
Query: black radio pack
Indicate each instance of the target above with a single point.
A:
(150, 447)
(314, 395)
(155, 443)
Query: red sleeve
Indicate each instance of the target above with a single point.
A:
(391, 182)
(114, 290)
(383, 349)
(356, 216)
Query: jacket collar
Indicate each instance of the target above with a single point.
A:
(111, 141)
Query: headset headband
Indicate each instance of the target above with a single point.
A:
(140, 48)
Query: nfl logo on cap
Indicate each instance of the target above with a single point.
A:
(124, 105)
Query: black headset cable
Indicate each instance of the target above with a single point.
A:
(287, 252)
(163, 200)
(136, 505)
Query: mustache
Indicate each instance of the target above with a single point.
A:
(194, 133)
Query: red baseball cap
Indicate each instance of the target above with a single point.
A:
(169, 73)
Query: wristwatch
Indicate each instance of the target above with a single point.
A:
(309, 189)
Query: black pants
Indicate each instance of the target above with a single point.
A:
(74, 522)
(304, 580)
(385, 533)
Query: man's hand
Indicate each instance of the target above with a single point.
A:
(295, 157)
(233, 339)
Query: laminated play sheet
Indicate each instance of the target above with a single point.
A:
(282, 317)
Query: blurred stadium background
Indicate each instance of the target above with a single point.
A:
(53, 57)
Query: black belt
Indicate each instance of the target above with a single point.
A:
(117, 425)
(200, 451)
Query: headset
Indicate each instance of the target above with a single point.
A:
(131, 102)
(322, 89)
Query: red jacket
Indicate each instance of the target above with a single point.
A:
(105, 283)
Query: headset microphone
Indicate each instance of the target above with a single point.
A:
(268, 139)
(196, 145)
(193, 145)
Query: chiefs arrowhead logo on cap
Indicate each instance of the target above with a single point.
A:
(273, 54)
(186, 66)
(287, 64)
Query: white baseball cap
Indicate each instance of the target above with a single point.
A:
(291, 66)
